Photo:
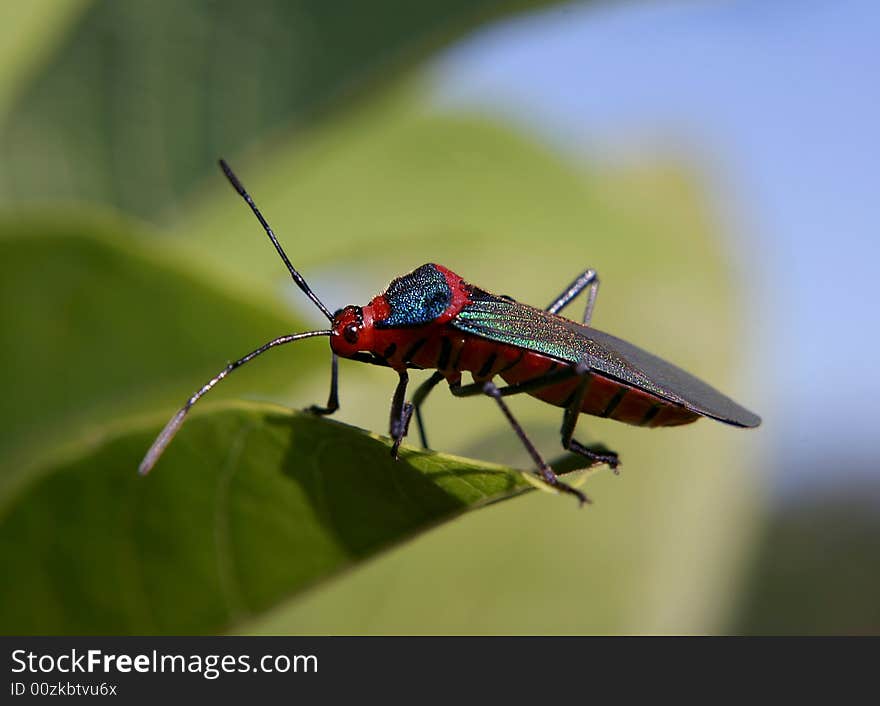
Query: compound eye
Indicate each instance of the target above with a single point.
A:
(350, 333)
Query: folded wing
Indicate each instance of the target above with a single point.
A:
(506, 321)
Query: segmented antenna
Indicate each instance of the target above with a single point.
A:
(297, 277)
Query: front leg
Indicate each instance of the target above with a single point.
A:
(333, 397)
(401, 413)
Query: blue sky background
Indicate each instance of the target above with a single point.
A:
(779, 102)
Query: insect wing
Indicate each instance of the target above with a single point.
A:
(503, 320)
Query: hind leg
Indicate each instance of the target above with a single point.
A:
(570, 419)
(588, 278)
(545, 472)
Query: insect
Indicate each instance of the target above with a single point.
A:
(432, 319)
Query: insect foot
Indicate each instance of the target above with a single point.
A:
(319, 411)
(611, 459)
(565, 488)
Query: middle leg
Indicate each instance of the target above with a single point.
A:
(546, 472)
(588, 278)
(422, 392)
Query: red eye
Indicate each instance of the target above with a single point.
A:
(350, 333)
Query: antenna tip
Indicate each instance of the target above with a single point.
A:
(230, 175)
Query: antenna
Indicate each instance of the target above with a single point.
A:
(297, 277)
(174, 424)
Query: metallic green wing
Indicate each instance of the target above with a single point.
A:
(506, 321)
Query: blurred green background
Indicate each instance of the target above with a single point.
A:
(130, 273)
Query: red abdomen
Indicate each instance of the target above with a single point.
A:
(451, 352)
(603, 397)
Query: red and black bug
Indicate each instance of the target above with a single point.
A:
(432, 319)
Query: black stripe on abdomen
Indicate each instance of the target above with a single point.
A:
(487, 365)
(614, 402)
(650, 414)
(413, 349)
(576, 391)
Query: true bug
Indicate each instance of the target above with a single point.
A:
(432, 318)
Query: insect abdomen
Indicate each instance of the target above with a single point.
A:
(451, 352)
(603, 397)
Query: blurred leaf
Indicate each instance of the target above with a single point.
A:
(28, 32)
(817, 571)
(141, 98)
(397, 184)
(250, 505)
(394, 184)
(93, 326)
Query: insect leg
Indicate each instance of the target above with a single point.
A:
(589, 278)
(333, 398)
(570, 420)
(422, 392)
(572, 411)
(401, 412)
(476, 388)
(490, 389)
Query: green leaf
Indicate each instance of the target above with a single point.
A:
(139, 100)
(94, 326)
(249, 506)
